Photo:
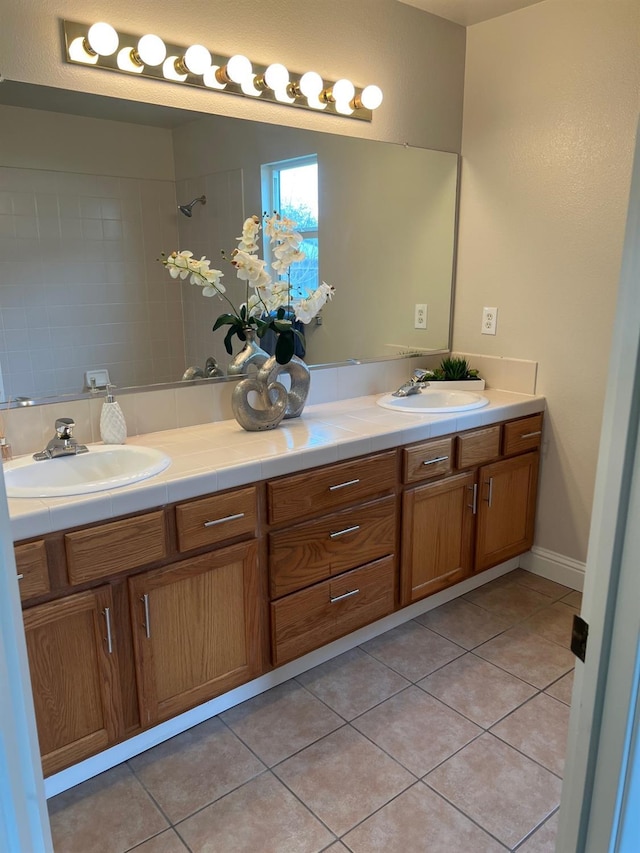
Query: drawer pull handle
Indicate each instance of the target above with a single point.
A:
(473, 506)
(433, 461)
(147, 621)
(343, 532)
(20, 577)
(222, 520)
(531, 434)
(107, 618)
(343, 485)
(489, 497)
(344, 595)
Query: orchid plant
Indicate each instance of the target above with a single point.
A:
(269, 303)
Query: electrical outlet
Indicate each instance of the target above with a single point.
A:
(489, 321)
(420, 317)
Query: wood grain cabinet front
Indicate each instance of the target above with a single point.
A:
(74, 676)
(216, 518)
(32, 567)
(196, 629)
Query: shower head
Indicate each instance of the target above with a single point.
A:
(187, 209)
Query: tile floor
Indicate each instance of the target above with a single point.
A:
(446, 735)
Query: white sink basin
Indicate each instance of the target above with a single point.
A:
(433, 401)
(103, 467)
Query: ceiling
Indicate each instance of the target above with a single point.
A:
(467, 12)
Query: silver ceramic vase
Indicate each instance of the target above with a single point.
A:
(260, 402)
(300, 378)
(250, 354)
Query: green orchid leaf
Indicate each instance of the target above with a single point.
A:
(227, 340)
(284, 348)
(225, 320)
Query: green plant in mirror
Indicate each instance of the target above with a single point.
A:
(451, 370)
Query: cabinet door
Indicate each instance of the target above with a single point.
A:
(437, 536)
(74, 676)
(197, 630)
(506, 509)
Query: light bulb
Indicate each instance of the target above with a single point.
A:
(311, 84)
(210, 78)
(78, 52)
(343, 107)
(169, 70)
(239, 68)
(197, 59)
(370, 97)
(126, 61)
(103, 39)
(276, 76)
(343, 90)
(151, 50)
(249, 88)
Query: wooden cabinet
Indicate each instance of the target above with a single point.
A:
(32, 567)
(437, 536)
(196, 634)
(506, 509)
(73, 665)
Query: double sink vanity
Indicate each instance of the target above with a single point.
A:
(252, 549)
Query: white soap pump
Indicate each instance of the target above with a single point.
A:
(113, 427)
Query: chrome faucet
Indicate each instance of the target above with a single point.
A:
(63, 443)
(413, 386)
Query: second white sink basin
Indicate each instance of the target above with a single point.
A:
(103, 467)
(433, 401)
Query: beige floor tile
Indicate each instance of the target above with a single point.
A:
(539, 729)
(503, 791)
(260, 816)
(562, 688)
(574, 599)
(352, 683)
(549, 588)
(166, 842)
(338, 847)
(507, 599)
(412, 650)
(463, 622)
(543, 840)
(527, 656)
(195, 768)
(478, 689)
(420, 820)
(343, 778)
(416, 730)
(82, 818)
(554, 623)
(281, 721)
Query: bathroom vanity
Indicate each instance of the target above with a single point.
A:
(216, 575)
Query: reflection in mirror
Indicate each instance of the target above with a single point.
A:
(89, 201)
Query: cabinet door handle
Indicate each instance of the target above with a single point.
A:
(20, 577)
(531, 434)
(343, 532)
(147, 622)
(473, 506)
(222, 520)
(107, 618)
(489, 497)
(343, 485)
(344, 595)
(433, 461)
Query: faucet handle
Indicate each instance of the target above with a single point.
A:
(64, 427)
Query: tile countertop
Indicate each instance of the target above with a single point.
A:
(216, 456)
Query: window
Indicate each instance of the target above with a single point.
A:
(290, 187)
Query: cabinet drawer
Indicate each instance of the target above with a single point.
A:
(216, 518)
(525, 434)
(429, 459)
(307, 553)
(315, 616)
(324, 489)
(478, 447)
(33, 575)
(116, 547)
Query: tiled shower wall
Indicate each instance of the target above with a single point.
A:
(79, 255)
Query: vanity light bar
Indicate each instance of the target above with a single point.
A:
(99, 45)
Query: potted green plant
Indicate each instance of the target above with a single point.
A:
(454, 372)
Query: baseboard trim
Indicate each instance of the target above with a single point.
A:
(115, 755)
(555, 567)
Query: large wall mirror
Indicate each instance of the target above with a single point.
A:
(89, 195)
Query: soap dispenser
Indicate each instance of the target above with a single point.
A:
(113, 427)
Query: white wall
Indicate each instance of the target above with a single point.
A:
(551, 101)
